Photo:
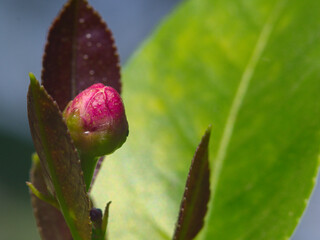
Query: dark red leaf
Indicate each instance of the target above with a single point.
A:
(196, 196)
(80, 52)
(50, 221)
(59, 159)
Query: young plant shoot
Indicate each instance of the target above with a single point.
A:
(97, 124)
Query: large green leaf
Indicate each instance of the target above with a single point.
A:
(251, 68)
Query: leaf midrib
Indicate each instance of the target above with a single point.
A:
(237, 103)
(74, 51)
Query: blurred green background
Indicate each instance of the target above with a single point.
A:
(23, 29)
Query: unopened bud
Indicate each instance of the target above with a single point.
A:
(95, 214)
(96, 120)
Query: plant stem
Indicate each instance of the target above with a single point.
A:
(88, 165)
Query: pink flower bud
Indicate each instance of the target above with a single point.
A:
(96, 120)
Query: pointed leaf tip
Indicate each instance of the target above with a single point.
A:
(105, 218)
(196, 196)
(80, 51)
(32, 78)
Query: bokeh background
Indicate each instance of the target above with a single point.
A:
(23, 29)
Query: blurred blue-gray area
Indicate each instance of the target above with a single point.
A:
(23, 28)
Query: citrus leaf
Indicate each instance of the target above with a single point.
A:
(251, 69)
(80, 52)
(196, 195)
(51, 224)
(59, 159)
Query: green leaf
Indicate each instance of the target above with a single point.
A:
(51, 224)
(59, 160)
(105, 219)
(99, 223)
(251, 68)
(80, 52)
(196, 195)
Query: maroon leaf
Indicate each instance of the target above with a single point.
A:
(194, 203)
(50, 221)
(59, 159)
(80, 52)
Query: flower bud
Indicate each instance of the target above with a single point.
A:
(96, 120)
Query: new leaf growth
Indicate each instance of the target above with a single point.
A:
(97, 124)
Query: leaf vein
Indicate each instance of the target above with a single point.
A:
(245, 80)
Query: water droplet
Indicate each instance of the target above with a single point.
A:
(89, 44)
(98, 44)
(81, 20)
(85, 56)
(91, 72)
(88, 35)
